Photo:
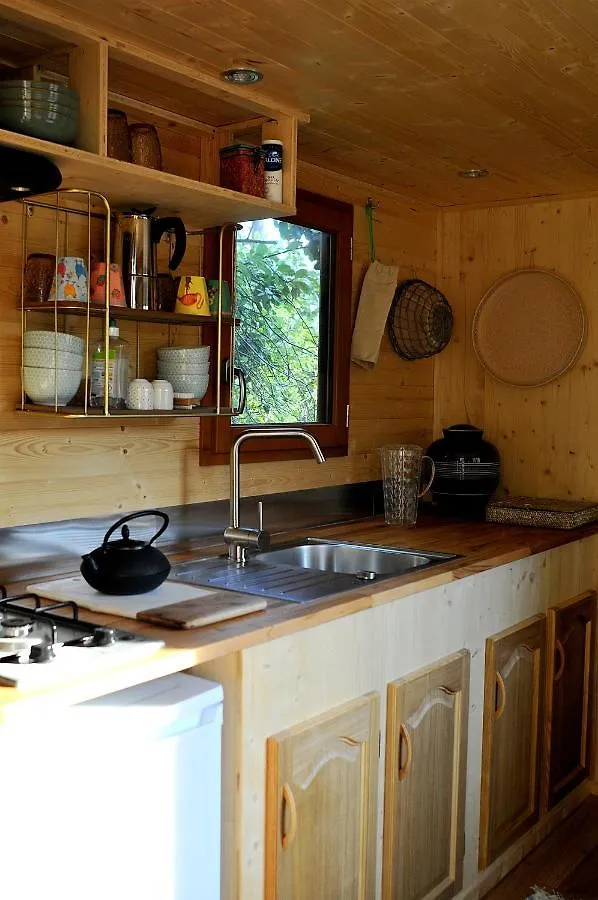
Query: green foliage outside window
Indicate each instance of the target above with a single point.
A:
(278, 303)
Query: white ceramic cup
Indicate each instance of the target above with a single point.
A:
(140, 394)
(163, 394)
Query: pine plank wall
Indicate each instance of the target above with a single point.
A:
(547, 436)
(53, 469)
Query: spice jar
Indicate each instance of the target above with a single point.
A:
(242, 169)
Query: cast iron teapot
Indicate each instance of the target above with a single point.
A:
(126, 566)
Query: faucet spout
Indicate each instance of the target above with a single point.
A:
(241, 539)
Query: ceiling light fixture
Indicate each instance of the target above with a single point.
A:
(473, 173)
(242, 75)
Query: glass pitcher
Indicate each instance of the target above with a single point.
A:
(401, 473)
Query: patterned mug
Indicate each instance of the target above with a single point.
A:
(98, 284)
(192, 296)
(70, 280)
(140, 394)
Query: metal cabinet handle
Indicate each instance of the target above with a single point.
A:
(405, 739)
(239, 374)
(501, 697)
(561, 667)
(288, 803)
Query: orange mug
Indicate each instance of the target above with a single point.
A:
(192, 296)
(98, 284)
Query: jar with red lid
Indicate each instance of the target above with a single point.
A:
(242, 169)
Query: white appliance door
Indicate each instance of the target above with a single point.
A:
(135, 811)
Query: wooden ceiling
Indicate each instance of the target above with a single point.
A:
(404, 93)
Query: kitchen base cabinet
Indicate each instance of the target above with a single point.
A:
(424, 800)
(569, 696)
(321, 804)
(511, 749)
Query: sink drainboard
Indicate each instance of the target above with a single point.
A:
(266, 580)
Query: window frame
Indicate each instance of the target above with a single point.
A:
(217, 434)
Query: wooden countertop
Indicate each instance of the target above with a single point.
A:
(481, 546)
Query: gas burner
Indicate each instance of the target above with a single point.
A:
(12, 626)
(40, 644)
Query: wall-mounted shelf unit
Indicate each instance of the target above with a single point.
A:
(81, 228)
(194, 113)
(200, 204)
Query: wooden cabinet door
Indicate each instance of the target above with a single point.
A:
(424, 798)
(569, 696)
(511, 749)
(321, 806)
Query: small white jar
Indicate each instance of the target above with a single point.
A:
(140, 394)
(163, 394)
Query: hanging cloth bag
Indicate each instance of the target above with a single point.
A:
(376, 295)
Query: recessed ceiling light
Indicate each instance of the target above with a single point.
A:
(473, 173)
(243, 76)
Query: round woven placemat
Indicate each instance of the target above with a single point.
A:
(529, 328)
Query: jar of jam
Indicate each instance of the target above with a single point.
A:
(242, 169)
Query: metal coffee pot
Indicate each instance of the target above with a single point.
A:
(137, 235)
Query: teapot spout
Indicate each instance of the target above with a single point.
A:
(90, 561)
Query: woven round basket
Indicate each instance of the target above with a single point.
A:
(420, 321)
(529, 328)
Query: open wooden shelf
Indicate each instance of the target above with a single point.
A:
(98, 310)
(78, 412)
(127, 186)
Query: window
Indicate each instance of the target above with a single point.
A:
(293, 291)
(282, 277)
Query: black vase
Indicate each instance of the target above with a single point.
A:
(467, 471)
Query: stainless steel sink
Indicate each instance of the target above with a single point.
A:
(365, 562)
(307, 570)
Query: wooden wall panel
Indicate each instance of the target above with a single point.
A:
(52, 469)
(548, 436)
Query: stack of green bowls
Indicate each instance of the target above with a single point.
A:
(41, 109)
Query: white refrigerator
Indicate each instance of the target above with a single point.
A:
(118, 798)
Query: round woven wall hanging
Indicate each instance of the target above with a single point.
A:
(420, 321)
(529, 328)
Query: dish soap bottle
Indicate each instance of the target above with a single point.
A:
(118, 370)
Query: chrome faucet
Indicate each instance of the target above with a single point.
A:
(240, 540)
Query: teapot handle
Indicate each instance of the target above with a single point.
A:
(139, 515)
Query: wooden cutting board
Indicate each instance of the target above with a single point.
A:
(172, 605)
(217, 606)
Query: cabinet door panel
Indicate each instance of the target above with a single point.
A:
(514, 691)
(569, 696)
(321, 806)
(425, 782)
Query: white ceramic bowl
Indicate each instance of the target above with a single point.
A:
(51, 339)
(190, 384)
(40, 384)
(194, 356)
(47, 359)
(174, 368)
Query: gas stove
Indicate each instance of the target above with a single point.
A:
(40, 645)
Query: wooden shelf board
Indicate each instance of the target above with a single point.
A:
(78, 412)
(98, 310)
(199, 204)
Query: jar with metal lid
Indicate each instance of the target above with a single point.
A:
(242, 169)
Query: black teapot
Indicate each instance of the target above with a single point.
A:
(126, 566)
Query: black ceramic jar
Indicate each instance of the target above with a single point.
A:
(467, 471)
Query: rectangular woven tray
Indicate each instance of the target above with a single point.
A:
(542, 513)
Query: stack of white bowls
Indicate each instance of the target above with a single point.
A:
(52, 366)
(186, 368)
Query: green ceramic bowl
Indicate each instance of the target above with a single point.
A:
(41, 123)
(22, 91)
